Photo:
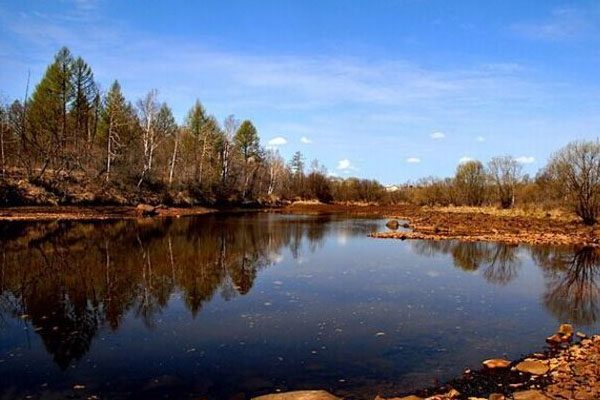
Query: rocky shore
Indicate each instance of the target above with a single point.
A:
(569, 369)
(470, 224)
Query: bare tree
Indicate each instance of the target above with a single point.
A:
(470, 180)
(505, 173)
(148, 109)
(576, 170)
(230, 125)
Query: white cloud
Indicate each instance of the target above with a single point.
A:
(345, 165)
(437, 135)
(525, 159)
(480, 139)
(306, 140)
(465, 159)
(277, 141)
(413, 160)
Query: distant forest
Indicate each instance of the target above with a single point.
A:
(68, 142)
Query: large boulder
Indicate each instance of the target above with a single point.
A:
(533, 367)
(530, 395)
(299, 395)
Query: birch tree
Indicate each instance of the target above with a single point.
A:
(230, 125)
(147, 111)
(115, 117)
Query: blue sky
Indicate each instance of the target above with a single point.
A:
(388, 89)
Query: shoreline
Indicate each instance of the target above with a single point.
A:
(471, 224)
(94, 213)
(566, 370)
(566, 363)
(423, 223)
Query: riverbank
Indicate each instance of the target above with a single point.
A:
(95, 213)
(426, 223)
(567, 370)
(471, 224)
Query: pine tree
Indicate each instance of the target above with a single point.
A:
(47, 114)
(84, 94)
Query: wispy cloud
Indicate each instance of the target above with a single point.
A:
(480, 139)
(305, 140)
(525, 159)
(465, 159)
(413, 160)
(564, 23)
(437, 135)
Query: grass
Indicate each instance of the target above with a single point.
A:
(556, 214)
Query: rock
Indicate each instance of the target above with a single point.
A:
(496, 396)
(146, 209)
(555, 339)
(411, 397)
(393, 224)
(299, 395)
(452, 393)
(530, 395)
(495, 363)
(533, 367)
(78, 387)
(565, 330)
(581, 335)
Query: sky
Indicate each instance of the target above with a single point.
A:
(388, 89)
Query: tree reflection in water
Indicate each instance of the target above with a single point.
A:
(572, 276)
(500, 262)
(71, 278)
(572, 283)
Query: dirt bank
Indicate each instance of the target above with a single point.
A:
(472, 224)
(84, 213)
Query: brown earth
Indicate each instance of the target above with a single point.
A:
(471, 224)
(465, 224)
(89, 213)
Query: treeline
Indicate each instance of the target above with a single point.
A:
(571, 180)
(69, 132)
(83, 145)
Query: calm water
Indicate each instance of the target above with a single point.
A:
(230, 306)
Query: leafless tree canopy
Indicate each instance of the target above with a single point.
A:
(576, 169)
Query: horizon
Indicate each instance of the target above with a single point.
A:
(408, 94)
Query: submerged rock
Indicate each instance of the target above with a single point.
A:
(393, 224)
(299, 395)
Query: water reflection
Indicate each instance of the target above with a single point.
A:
(572, 283)
(70, 278)
(572, 276)
(71, 282)
(500, 262)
